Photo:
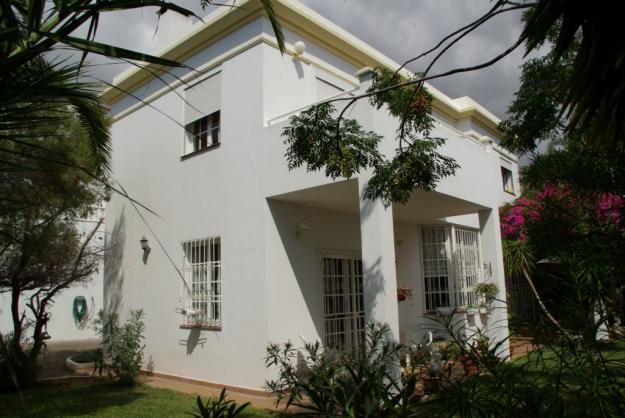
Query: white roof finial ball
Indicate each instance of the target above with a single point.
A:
(299, 47)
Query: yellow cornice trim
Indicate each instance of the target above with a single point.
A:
(300, 19)
(219, 24)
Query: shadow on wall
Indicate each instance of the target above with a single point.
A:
(373, 283)
(298, 251)
(113, 261)
(299, 68)
(193, 340)
(367, 207)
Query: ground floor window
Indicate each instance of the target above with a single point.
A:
(451, 266)
(436, 254)
(202, 274)
(343, 301)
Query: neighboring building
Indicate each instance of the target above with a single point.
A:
(73, 310)
(244, 251)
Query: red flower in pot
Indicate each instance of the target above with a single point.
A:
(404, 292)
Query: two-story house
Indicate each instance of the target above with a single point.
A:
(241, 251)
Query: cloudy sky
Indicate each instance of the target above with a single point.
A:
(400, 29)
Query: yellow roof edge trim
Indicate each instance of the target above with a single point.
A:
(301, 19)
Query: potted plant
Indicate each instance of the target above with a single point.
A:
(472, 309)
(487, 293)
(445, 310)
(404, 292)
(432, 375)
(469, 363)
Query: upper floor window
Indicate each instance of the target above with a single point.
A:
(202, 115)
(202, 133)
(508, 182)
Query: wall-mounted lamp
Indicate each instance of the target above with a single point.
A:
(299, 47)
(144, 245)
(303, 227)
(488, 270)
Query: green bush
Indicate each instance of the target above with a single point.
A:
(122, 346)
(16, 371)
(219, 407)
(359, 383)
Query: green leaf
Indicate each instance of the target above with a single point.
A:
(111, 51)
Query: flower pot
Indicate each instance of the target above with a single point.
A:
(483, 310)
(472, 311)
(431, 384)
(470, 366)
(445, 310)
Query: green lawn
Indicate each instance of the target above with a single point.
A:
(104, 400)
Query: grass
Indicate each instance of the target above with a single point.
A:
(104, 400)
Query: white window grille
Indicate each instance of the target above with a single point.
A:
(202, 274)
(467, 266)
(436, 266)
(451, 266)
(343, 301)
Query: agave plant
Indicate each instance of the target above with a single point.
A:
(218, 407)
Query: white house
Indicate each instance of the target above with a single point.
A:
(243, 251)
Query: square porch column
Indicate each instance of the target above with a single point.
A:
(378, 260)
(492, 257)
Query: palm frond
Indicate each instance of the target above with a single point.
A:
(275, 25)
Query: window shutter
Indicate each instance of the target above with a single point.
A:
(203, 98)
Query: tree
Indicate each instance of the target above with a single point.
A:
(591, 99)
(41, 252)
(35, 92)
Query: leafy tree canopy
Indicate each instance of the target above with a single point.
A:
(321, 138)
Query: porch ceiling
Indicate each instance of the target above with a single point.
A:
(342, 196)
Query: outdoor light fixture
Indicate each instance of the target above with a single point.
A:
(302, 229)
(144, 245)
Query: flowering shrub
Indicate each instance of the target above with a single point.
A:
(563, 213)
(611, 208)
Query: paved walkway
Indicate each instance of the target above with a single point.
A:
(53, 367)
(53, 359)
(260, 401)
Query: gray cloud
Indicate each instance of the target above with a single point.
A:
(401, 29)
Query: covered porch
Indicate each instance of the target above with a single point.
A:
(349, 256)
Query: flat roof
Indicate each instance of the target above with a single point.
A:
(299, 18)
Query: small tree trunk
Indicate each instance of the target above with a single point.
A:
(17, 322)
(540, 302)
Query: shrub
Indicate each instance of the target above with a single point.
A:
(218, 408)
(362, 382)
(122, 346)
(17, 371)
